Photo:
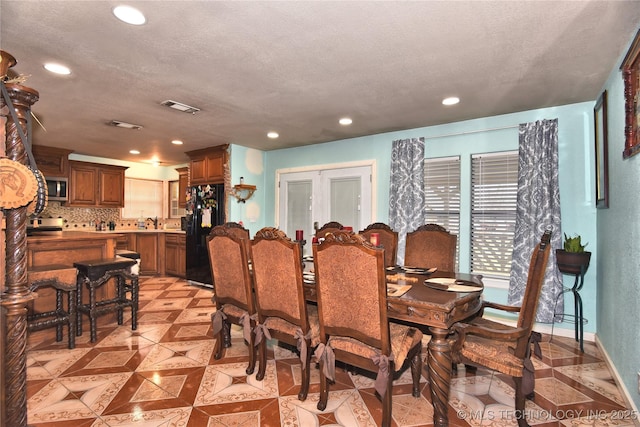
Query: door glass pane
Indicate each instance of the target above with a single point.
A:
(345, 201)
(298, 211)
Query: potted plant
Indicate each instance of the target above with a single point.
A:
(573, 259)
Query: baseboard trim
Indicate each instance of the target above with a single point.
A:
(625, 392)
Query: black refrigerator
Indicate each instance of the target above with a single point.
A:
(205, 209)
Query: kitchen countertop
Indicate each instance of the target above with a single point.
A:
(122, 231)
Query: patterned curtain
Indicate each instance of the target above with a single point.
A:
(406, 190)
(538, 208)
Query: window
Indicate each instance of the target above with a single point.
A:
(442, 194)
(143, 197)
(494, 186)
(175, 211)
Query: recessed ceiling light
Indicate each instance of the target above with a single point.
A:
(134, 152)
(453, 100)
(273, 135)
(176, 142)
(345, 121)
(129, 14)
(57, 68)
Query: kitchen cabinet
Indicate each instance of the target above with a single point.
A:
(52, 161)
(123, 241)
(208, 165)
(175, 254)
(146, 244)
(96, 185)
(183, 184)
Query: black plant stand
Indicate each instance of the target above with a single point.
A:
(578, 318)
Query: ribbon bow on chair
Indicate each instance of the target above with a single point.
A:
(325, 354)
(382, 379)
(261, 332)
(217, 319)
(302, 345)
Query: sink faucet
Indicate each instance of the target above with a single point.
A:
(155, 222)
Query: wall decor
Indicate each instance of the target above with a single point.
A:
(602, 161)
(631, 74)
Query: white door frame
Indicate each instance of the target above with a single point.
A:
(371, 163)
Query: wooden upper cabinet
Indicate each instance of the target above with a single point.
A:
(111, 183)
(92, 184)
(52, 162)
(208, 165)
(183, 183)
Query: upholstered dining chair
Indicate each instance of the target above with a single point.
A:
(431, 245)
(329, 227)
(507, 349)
(388, 240)
(233, 295)
(349, 269)
(283, 313)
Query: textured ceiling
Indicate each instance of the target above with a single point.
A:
(297, 67)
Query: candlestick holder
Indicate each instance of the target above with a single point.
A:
(301, 243)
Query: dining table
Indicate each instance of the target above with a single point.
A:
(428, 298)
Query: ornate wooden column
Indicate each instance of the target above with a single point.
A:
(16, 295)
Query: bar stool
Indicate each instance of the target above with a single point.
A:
(125, 253)
(95, 273)
(62, 278)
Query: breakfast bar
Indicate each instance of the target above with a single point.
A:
(66, 248)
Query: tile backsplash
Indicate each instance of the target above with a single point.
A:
(86, 218)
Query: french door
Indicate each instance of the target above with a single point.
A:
(314, 197)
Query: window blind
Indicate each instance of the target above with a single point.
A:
(442, 194)
(142, 197)
(494, 186)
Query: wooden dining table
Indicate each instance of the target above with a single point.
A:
(436, 308)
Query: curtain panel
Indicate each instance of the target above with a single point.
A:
(406, 190)
(538, 208)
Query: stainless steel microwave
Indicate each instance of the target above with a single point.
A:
(57, 189)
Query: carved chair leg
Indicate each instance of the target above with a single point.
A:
(306, 375)
(387, 403)
(416, 370)
(520, 403)
(252, 354)
(262, 356)
(324, 389)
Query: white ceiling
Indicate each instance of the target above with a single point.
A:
(296, 67)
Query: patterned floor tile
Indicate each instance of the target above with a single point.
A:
(165, 374)
(230, 383)
(181, 354)
(74, 397)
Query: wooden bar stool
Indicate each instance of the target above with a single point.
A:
(125, 253)
(62, 278)
(95, 273)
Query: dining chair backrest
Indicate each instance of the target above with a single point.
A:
(280, 301)
(277, 272)
(329, 227)
(531, 297)
(431, 245)
(230, 267)
(388, 240)
(350, 269)
(236, 229)
(352, 311)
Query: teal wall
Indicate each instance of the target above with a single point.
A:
(490, 134)
(248, 163)
(618, 269)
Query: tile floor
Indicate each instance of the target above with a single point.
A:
(164, 374)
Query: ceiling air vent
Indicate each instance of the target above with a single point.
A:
(120, 124)
(180, 106)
